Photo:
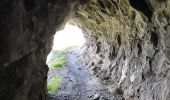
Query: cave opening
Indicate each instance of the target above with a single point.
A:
(69, 40)
(70, 37)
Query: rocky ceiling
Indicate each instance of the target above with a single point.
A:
(128, 45)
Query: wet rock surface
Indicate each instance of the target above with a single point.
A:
(77, 83)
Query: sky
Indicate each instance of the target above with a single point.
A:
(70, 36)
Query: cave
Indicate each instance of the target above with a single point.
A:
(127, 53)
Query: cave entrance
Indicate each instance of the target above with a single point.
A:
(68, 38)
(71, 38)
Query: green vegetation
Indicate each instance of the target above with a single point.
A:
(58, 58)
(53, 84)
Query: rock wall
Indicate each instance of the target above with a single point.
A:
(26, 34)
(128, 46)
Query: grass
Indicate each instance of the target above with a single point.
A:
(58, 58)
(53, 84)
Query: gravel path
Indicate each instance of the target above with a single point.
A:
(77, 83)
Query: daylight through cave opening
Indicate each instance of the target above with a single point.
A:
(70, 38)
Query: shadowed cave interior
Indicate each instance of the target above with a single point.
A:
(126, 54)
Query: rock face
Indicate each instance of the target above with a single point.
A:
(128, 46)
(26, 34)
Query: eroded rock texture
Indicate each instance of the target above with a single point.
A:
(26, 34)
(128, 46)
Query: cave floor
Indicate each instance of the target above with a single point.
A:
(77, 83)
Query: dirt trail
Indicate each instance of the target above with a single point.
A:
(77, 83)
